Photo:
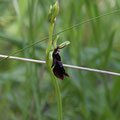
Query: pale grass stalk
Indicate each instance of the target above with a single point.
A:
(65, 65)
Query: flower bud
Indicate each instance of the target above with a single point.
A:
(53, 12)
(50, 58)
(62, 45)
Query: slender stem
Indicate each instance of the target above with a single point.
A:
(48, 62)
(59, 101)
(50, 38)
(50, 34)
(49, 44)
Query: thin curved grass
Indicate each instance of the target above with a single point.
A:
(67, 29)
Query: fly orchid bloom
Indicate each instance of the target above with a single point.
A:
(57, 65)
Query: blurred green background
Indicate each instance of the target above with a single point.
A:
(27, 90)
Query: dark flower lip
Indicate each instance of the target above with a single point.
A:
(58, 69)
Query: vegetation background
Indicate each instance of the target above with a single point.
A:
(26, 89)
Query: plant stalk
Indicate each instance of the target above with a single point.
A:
(48, 62)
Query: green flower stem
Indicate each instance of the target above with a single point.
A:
(49, 47)
(50, 36)
(59, 102)
(48, 62)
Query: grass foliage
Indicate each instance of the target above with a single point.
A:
(26, 89)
